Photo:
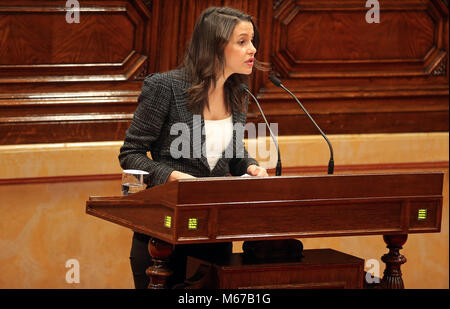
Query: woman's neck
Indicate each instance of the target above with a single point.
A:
(216, 89)
(216, 102)
(218, 86)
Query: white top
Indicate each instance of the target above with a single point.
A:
(218, 135)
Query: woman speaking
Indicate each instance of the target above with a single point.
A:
(203, 94)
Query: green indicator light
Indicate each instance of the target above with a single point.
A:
(168, 221)
(422, 214)
(193, 223)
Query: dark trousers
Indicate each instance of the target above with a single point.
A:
(140, 259)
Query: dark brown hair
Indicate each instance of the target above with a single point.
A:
(205, 57)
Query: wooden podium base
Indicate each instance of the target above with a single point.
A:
(318, 269)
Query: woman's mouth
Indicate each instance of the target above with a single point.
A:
(250, 61)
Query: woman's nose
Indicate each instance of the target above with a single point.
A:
(252, 49)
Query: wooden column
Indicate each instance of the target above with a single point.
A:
(159, 272)
(392, 278)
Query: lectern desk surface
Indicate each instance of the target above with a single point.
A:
(237, 208)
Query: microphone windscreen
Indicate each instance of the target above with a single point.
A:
(275, 80)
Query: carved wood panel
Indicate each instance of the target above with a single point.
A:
(69, 82)
(355, 76)
(108, 43)
(64, 81)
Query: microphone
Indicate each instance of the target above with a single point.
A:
(278, 168)
(278, 83)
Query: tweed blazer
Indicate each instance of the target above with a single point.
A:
(162, 106)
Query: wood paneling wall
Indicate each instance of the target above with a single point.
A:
(73, 82)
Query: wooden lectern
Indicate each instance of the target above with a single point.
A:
(208, 210)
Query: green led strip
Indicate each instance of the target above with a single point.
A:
(193, 223)
(168, 221)
(422, 215)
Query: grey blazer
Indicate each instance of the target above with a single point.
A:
(161, 105)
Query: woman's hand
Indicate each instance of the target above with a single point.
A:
(255, 170)
(176, 175)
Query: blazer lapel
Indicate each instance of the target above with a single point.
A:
(196, 123)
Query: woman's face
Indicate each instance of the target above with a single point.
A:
(239, 52)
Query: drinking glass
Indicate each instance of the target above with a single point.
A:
(133, 181)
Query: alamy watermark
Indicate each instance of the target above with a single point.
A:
(73, 274)
(187, 145)
(72, 11)
(373, 14)
(373, 271)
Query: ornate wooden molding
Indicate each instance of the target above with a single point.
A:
(109, 40)
(148, 4)
(142, 72)
(441, 68)
(63, 82)
(360, 49)
(276, 4)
